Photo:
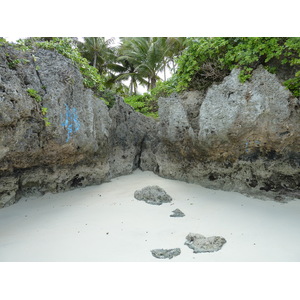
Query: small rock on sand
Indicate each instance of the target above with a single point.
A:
(177, 213)
(200, 243)
(165, 253)
(152, 195)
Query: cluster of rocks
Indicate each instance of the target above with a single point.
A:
(155, 195)
(197, 242)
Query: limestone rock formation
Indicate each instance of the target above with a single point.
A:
(200, 243)
(152, 195)
(131, 134)
(236, 136)
(84, 144)
(56, 135)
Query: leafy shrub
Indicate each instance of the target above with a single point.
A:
(207, 60)
(147, 103)
(191, 73)
(143, 104)
(164, 88)
(2, 41)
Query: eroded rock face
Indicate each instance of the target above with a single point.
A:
(84, 144)
(132, 135)
(238, 136)
(241, 137)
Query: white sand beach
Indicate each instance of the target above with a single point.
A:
(106, 223)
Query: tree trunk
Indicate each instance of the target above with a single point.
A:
(95, 60)
(152, 83)
(173, 67)
(149, 84)
(130, 87)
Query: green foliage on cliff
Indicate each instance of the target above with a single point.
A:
(2, 41)
(91, 76)
(67, 47)
(143, 104)
(34, 94)
(208, 60)
(147, 103)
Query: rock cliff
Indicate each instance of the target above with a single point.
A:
(56, 135)
(236, 136)
(84, 143)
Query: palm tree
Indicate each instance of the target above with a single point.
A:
(129, 72)
(175, 46)
(150, 55)
(145, 55)
(139, 59)
(98, 50)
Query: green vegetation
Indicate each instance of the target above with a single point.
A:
(147, 103)
(34, 94)
(145, 57)
(195, 63)
(210, 59)
(14, 61)
(12, 64)
(67, 47)
(137, 60)
(44, 111)
(64, 46)
(2, 41)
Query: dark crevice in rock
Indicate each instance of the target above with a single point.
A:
(36, 67)
(77, 181)
(137, 159)
(213, 177)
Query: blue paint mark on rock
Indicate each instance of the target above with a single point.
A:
(71, 123)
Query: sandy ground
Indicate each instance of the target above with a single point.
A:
(106, 223)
